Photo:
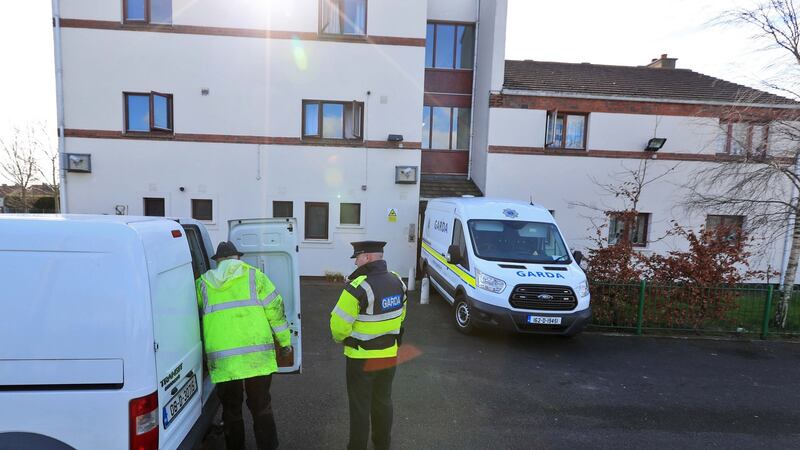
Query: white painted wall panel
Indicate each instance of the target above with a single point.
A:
(92, 9)
(517, 127)
(453, 10)
(126, 171)
(630, 132)
(256, 86)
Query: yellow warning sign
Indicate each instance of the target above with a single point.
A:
(392, 215)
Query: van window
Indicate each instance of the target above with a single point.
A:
(518, 241)
(458, 239)
(200, 263)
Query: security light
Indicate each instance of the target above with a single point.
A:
(79, 162)
(405, 174)
(655, 144)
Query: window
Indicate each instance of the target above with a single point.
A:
(345, 17)
(147, 11)
(154, 207)
(350, 214)
(200, 263)
(745, 138)
(731, 225)
(145, 113)
(637, 236)
(449, 46)
(202, 209)
(458, 239)
(518, 241)
(445, 128)
(333, 120)
(316, 220)
(282, 209)
(566, 130)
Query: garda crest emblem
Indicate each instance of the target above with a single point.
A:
(510, 213)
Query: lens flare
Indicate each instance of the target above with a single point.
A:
(299, 53)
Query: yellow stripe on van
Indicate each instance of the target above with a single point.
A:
(469, 279)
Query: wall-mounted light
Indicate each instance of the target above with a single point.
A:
(405, 174)
(395, 138)
(79, 162)
(655, 144)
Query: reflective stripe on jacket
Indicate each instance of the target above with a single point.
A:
(369, 315)
(241, 310)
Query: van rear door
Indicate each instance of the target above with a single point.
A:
(271, 246)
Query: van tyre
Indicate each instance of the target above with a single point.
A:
(463, 318)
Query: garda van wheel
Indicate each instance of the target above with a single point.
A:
(462, 313)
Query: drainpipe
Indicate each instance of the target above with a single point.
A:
(474, 85)
(62, 159)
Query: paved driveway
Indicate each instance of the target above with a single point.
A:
(516, 391)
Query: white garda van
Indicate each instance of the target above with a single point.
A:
(100, 340)
(503, 263)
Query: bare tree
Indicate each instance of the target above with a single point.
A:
(49, 163)
(760, 178)
(19, 159)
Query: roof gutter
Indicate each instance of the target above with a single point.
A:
(641, 99)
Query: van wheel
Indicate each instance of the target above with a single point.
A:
(463, 316)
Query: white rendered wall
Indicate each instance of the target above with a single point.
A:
(489, 73)
(571, 186)
(126, 171)
(452, 10)
(517, 127)
(256, 85)
(695, 135)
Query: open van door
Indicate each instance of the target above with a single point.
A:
(271, 246)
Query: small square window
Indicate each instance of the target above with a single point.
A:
(566, 130)
(282, 209)
(350, 214)
(202, 209)
(316, 220)
(148, 112)
(333, 120)
(147, 11)
(154, 207)
(637, 236)
(345, 17)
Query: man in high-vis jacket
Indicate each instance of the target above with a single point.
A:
(241, 312)
(368, 320)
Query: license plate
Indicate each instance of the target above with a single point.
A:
(179, 400)
(542, 320)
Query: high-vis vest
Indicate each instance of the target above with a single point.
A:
(239, 320)
(369, 315)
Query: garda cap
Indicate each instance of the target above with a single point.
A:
(226, 249)
(367, 247)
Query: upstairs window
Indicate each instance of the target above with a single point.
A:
(344, 17)
(148, 112)
(147, 11)
(445, 128)
(637, 235)
(745, 138)
(449, 46)
(333, 120)
(566, 130)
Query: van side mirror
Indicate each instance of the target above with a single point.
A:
(455, 256)
(577, 256)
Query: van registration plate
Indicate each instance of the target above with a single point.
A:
(179, 400)
(542, 320)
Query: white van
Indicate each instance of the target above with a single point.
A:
(100, 340)
(503, 263)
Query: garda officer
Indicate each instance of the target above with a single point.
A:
(241, 312)
(368, 320)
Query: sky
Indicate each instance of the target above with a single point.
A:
(619, 32)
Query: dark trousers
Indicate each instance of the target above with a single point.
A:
(369, 391)
(259, 403)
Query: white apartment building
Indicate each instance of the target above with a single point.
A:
(232, 109)
(350, 114)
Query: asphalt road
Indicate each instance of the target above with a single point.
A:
(504, 391)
